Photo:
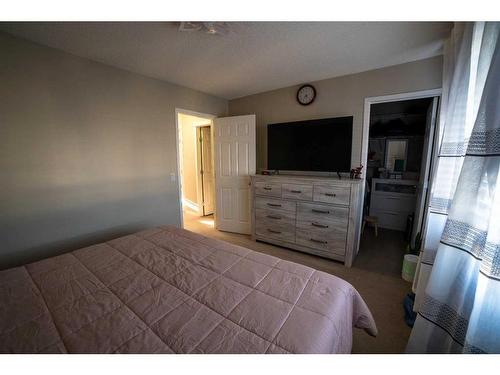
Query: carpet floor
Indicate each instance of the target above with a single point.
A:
(376, 274)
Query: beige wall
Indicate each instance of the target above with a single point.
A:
(342, 96)
(86, 150)
(188, 126)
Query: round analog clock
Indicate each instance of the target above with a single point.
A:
(306, 94)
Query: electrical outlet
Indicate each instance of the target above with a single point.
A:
(173, 177)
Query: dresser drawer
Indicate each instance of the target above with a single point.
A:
(270, 189)
(334, 216)
(295, 191)
(390, 220)
(322, 228)
(277, 231)
(275, 204)
(393, 203)
(332, 243)
(271, 216)
(332, 194)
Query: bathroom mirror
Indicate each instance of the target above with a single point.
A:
(395, 149)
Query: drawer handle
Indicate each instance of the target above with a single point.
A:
(268, 188)
(274, 231)
(274, 205)
(274, 217)
(318, 241)
(330, 195)
(390, 213)
(319, 225)
(320, 211)
(296, 191)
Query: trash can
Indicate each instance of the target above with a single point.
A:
(409, 267)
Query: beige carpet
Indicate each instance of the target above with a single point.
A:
(376, 274)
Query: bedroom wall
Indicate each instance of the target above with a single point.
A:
(86, 150)
(341, 96)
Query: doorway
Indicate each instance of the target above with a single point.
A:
(398, 146)
(206, 173)
(215, 164)
(195, 159)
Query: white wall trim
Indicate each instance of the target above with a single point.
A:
(178, 111)
(191, 205)
(384, 99)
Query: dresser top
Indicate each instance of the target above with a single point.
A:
(306, 178)
(395, 181)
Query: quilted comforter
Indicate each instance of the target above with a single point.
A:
(168, 290)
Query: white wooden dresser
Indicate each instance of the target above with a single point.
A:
(317, 215)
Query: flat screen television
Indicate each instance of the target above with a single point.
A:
(316, 145)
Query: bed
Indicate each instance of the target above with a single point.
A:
(168, 290)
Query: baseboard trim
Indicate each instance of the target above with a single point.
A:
(187, 204)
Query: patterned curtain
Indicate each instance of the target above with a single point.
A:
(458, 286)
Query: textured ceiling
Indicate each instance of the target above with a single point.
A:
(253, 57)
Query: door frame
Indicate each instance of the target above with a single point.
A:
(432, 147)
(384, 99)
(200, 186)
(209, 117)
(365, 135)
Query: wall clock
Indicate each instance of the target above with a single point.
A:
(306, 94)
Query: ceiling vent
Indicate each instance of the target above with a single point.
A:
(213, 28)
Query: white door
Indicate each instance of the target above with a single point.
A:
(234, 162)
(425, 167)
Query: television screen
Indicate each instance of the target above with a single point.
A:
(316, 145)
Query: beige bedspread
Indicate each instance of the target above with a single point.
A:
(168, 290)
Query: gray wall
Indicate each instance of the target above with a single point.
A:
(85, 150)
(342, 96)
